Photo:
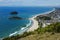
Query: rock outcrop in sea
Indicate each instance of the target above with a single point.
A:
(14, 13)
(14, 16)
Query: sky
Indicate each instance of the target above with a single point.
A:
(29, 2)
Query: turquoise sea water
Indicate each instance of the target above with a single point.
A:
(8, 27)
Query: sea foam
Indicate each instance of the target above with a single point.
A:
(23, 29)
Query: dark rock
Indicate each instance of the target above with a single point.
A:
(15, 18)
(14, 13)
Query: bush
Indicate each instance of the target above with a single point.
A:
(53, 27)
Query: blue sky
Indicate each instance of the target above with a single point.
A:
(29, 2)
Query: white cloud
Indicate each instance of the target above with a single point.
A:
(1, 0)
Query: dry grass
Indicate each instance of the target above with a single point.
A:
(46, 36)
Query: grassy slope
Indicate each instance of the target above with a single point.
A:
(45, 36)
(51, 32)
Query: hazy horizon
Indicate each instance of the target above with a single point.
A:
(29, 3)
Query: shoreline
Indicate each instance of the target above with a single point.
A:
(34, 25)
(35, 22)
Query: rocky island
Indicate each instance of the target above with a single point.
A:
(15, 18)
(14, 13)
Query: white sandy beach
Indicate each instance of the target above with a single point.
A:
(35, 23)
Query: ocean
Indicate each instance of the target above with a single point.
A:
(7, 26)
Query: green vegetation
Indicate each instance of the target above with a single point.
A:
(43, 18)
(50, 29)
(54, 27)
